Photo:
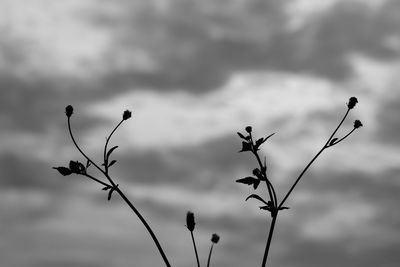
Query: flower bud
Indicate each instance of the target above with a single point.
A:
(248, 129)
(352, 102)
(69, 110)
(215, 238)
(357, 124)
(190, 223)
(127, 114)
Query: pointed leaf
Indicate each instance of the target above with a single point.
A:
(88, 164)
(63, 170)
(256, 184)
(241, 135)
(265, 208)
(283, 208)
(266, 138)
(247, 180)
(110, 193)
(110, 151)
(245, 147)
(105, 188)
(112, 163)
(257, 197)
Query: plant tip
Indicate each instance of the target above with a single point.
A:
(215, 238)
(69, 110)
(357, 124)
(248, 129)
(127, 114)
(352, 102)
(190, 223)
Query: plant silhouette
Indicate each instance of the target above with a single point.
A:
(273, 206)
(109, 185)
(259, 175)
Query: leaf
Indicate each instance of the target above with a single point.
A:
(284, 208)
(88, 164)
(258, 174)
(266, 138)
(110, 193)
(110, 151)
(106, 188)
(241, 136)
(257, 197)
(332, 142)
(265, 208)
(256, 184)
(63, 170)
(245, 147)
(249, 181)
(259, 142)
(76, 167)
(112, 163)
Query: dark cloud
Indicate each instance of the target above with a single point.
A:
(198, 49)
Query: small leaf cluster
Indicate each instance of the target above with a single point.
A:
(76, 167)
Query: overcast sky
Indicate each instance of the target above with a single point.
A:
(193, 73)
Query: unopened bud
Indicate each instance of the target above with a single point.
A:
(69, 110)
(215, 238)
(352, 102)
(190, 223)
(357, 124)
(127, 114)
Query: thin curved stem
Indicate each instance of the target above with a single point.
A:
(344, 137)
(209, 255)
(141, 218)
(105, 146)
(195, 249)
(271, 190)
(80, 150)
(116, 188)
(270, 187)
(95, 179)
(313, 159)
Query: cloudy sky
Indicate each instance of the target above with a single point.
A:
(194, 73)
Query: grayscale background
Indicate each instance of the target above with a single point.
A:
(194, 72)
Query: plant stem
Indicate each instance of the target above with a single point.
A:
(271, 231)
(311, 162)
(105, 146)
(209, 255)
(153, 236)
(195, 249)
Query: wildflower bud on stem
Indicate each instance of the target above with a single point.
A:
(127, 114)
(357, 124)
(215, 238)
(190, 223)
(352, 102)
(69, 110)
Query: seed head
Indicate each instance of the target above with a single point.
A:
(69, 110)
(127, 114)
(215, 238)
(352, 102)
(190, 223)
(357, 124)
